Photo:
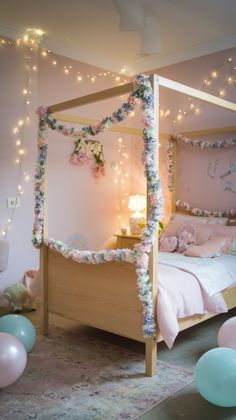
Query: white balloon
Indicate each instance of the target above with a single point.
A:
(13, 359)
(227, 334)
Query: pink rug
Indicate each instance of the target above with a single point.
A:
(71, 377)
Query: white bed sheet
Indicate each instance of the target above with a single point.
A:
(180, 294)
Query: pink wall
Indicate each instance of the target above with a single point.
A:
(78, 205)
(194, 184)
(12, 82)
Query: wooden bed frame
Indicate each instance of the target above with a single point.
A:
(105, 295)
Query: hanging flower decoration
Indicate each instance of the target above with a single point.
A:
(206, 213)
(170, 164)
(87, 150)
(140, 254)
(202, 144)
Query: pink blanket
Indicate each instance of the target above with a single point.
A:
(180, 295)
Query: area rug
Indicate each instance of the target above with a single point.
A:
(72, 376)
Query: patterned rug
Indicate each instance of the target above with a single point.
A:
(72, 376)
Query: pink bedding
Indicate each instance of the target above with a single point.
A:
(180, 295)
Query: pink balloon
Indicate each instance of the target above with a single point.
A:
(13, 358)
(227, 334)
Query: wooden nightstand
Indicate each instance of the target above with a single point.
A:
(231, 221)
(126, 241)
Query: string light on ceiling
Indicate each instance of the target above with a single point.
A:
(218, 81)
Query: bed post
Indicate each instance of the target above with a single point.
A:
(43, 290)
(44, 267)
(151, 343)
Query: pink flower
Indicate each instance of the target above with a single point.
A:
(97, 171)
(79, 159)
(41, 111)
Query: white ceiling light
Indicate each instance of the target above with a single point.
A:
(150, 37)
(132, 17)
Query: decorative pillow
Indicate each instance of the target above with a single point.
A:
(204, 232)
(187, 237)
(211, 248)
(168, 243)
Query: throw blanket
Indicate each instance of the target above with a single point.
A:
(213, 274)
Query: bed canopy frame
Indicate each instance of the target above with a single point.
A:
(111, 302)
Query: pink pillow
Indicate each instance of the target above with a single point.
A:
(211, 248)
(187, 237)
(168, 243)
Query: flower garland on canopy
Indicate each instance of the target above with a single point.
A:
(139, 256)
(206, 213)
(202, 144)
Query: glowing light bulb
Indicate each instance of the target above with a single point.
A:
(25, 91)
(214, 74)
(79, 78)
(54, 62)
(18, 142)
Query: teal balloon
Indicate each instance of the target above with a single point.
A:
(215, 376)
(21, 327)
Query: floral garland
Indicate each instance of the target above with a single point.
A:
(170, 164)
(140, 254)
(84, 151)
(202, 144)
(206, 213)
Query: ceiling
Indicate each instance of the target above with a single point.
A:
(91, 30)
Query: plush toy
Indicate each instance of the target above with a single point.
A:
(187, 237)
(168, 243)
(23, 294)
(17, 295)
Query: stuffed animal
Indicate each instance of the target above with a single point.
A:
(17, 295)
(187, 237)
(168, 243)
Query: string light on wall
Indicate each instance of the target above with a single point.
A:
(218, 80)
(121, 180)
(29, 42)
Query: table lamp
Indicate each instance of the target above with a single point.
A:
(137, 221)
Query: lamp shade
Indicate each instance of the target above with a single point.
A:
(137, 202)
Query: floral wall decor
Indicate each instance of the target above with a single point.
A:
(86, 151)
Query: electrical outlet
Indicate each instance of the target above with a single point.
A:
(13, 202)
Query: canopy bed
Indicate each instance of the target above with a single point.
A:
(100, 288)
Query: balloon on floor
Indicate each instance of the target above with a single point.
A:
(21, 327)
(13, 359)
(227, 334)
(215, 376)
